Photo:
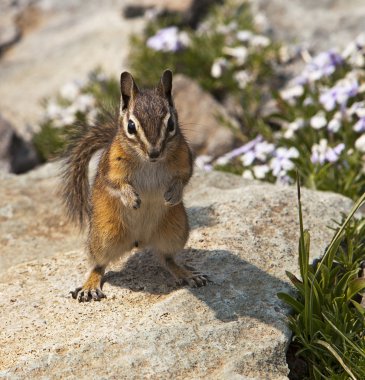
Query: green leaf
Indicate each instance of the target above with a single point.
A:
(354, 287)
(291, 301)
(359, 308)
(295, 281)
(352, 344)
(337, 356)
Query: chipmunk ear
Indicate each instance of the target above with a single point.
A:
(128, 89)
(165, 86)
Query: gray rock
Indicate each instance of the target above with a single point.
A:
(320, 25)
(9, 32)
(70, 39)
(200, 116)
(244, 236)
(16, 154)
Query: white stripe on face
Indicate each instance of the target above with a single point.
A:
(139, 129)
(163, 130)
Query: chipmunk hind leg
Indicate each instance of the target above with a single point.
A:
(102, 249)
(169, 239)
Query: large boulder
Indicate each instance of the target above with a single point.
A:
(69, 39)
(201, 116)
(243, 235)
(319, 25)
(16, 154)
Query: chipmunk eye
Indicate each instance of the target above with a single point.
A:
(170, 125)
(131, 127)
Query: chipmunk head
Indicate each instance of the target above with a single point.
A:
(148, 117)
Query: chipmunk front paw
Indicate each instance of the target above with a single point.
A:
(130, 197)
(174, 194)
(83, 294)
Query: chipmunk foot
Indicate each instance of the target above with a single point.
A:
(194, 280)
(91, 290)
(87, 294)
(186, 275)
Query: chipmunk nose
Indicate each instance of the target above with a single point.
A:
(153, 154)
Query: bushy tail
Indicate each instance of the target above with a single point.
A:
(85, 141)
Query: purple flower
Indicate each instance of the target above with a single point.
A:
(166, 39)
(339, 94)
(223, 160)
(322, 153)
(328, 99)
(360, 125)
(282, 163)
(256, 149)
(238, 151)
(323, 65)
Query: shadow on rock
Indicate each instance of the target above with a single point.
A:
(201, 217)
(237, 288)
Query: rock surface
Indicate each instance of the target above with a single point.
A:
(16, 154)
(9, 32)
(70, 39)
(319, 25)
(244, 236)
(199, 116)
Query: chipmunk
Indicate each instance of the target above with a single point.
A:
(136, 197)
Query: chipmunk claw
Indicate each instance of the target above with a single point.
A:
(137, 202)
(173, 195)
(196, 280)
(86, 295)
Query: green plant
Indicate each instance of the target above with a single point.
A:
(77, 103)
(328, 322)
(226, 54)
(319, 127)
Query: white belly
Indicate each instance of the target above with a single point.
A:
(151, 183)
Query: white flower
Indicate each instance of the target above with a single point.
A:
(225, 29)
(203, 162)
(70, 91)
(292, 92)
(260, 171)
(68, 116)
(184, 38)
(248, 158)
(263, 149)
(53, 110)
(308, 101)
(319, 120)
(247, 174)
(292, 127)
(240, 53)
(357, 108)
(360, 144)
(219, 65)
(360, 41)
(282, 163)
(261, 21)
(349, 50)
(288, 53)
(357, 59)
(260, 41)
(322, 153)
(334, 125)
(244, 35)
(91, 116)
(84, 102)
(242, 78)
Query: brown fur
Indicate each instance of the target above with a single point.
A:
(135, 199)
